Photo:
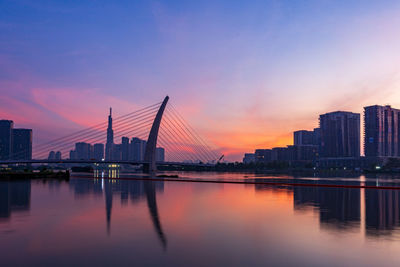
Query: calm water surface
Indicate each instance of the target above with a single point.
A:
(104, 222)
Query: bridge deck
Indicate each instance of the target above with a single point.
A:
(129, 162)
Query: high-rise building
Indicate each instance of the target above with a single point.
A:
(263, 155)
(306, 144)
(160, 154)
(282, 153)
(381, 131)
(83, 150)
(98, 151)
(72, 154)
(249, 158)
(340, 134)
(303, 137)
(110, 138)
(117, 152)
(52, 155)
(58, 155)
(137, 149)
(22, 144)
(306, 152)
(317, 137)
(125, 148)
(6, 139)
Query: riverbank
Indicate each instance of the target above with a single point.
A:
(23, 175)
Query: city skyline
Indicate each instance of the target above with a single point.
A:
(233, 72)
(300, 137)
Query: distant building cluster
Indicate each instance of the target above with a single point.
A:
(132, 150)
(129, 149)
(15, 143)
(336, 143)
(306, 148)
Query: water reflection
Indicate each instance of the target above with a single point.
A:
(342, 207)
(338, 207)
(150, 189)
(383, 211)
(135, 190)
(14, 197)
(345, 209)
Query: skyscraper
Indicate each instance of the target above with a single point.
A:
(52, 155)
(22, 144)
(381, 131)
(58, 155)
(98, 151)
(125, 148)
(263, 155)
(137, 149)
(110, 138)
(249, 158)
(83, 150)
(6, 139)
(72, 154)
(340, 134)
(117, 152)
(303, 137)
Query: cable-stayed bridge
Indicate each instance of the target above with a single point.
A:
(160, 124)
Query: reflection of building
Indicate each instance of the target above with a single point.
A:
(340, 134)
(382, 210)
(108, 193)
(14, 196)
(339, 207)
(127, 190)
(382, 131)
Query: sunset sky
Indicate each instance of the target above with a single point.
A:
(245, 74)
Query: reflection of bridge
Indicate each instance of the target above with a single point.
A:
(183, 146)
(149, 190)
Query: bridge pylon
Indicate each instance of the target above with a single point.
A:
(150, 154)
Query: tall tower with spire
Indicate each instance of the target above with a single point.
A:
(110, 138)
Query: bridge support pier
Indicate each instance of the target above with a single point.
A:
(150, 154)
